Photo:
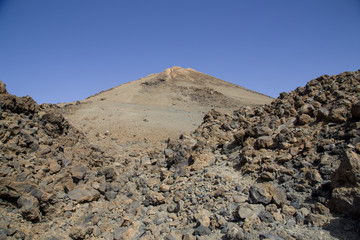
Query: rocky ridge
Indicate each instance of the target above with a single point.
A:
(288, 170)
(301, 151)
(44, 163)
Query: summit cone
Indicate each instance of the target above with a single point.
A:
(158, 106)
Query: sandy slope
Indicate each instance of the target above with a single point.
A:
(158, 106)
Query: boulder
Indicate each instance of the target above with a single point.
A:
(288, 210)
(265, 193)
(345, 182)
(202, 160)
(83, 194)
(80, 232)
(267, 217)
(338, 115)
(244, 211)
(202, 231)
(262, 131)
(109, 173)
(29, 207)
(259, 194)
(264, 142)
(131, 232)
(154, 198)
(355, 111)
(234, 232)
(322, 114)
(251, 222)
(78, 172)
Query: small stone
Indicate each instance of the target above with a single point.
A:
(234, 232)
(78, 172)
(14, 129)
(109, 173)
(131, 232)
(322, 114)
(299, 218)
(278, 194)
(203, 218)
(288, 210)
(355, 111)
(269, 236)
(265, 193)
(54, 167)
(204, 221)
(202, 231)
(164, 188)
(338, 115)
(264, 142)
(259, 194)
(173, 216)
(84, 194)
(155, 198)
(271, 208)
(134, 154)
(250, 222)
(220, 221)
(267, 176)
(29, 207)
(295, 203)
(284, 158)
(145, 160)
(174, 235)
(320, 209)
(277, 216)
(306, 109)
(188, 236)
(265, 216)
(357, 147)
(200, 161)
(110, 195)
(244, 212)
(168, 152)
(304, 211)
(171, 208)
(240, 199)
(291, 223)
(80, 232)
(107, 235)
(317, 219)
(262, 131)
(304, 119)
(313, 176)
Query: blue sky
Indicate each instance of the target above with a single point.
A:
(66, 50)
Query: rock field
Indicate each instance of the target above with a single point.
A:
(286, 170)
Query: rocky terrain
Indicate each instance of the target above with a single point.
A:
(286, 170)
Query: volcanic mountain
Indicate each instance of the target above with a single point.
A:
(283, 171)
(158, 106)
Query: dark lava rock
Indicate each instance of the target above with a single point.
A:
(202, 231)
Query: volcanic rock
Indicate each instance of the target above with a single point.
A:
(287, 170)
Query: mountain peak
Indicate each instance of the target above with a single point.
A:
(160, 105)
(174, 68)
(176, 72)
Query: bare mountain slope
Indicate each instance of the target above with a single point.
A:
(158, 106)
